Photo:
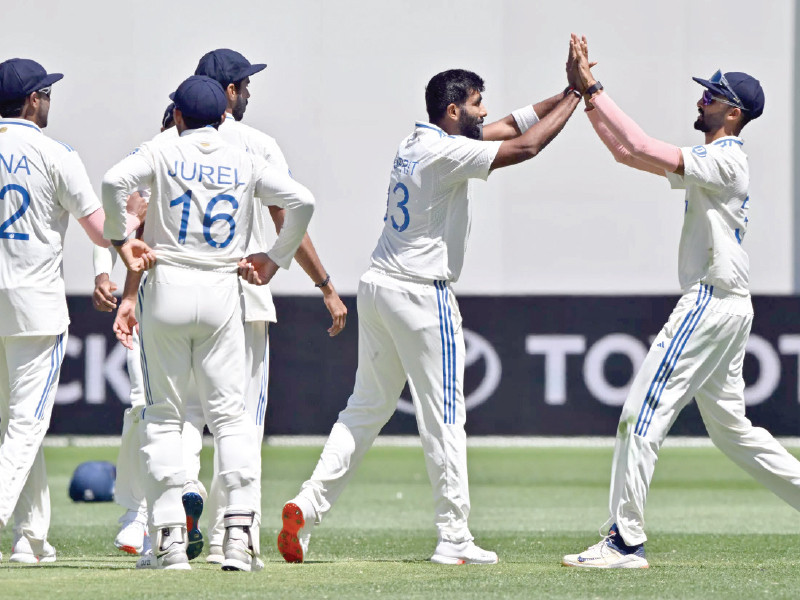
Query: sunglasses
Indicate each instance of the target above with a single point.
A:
(718, 78)
(45, 90)
(708, 98)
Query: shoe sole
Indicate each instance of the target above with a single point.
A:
(231, 564)
(450, 560)
(288, 543)
(130, 549)
(215, 559)
(24, 559)
(627, 565)
(193, 506)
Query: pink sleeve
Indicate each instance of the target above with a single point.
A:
(93, 226)
(660, 154)
(620, 153)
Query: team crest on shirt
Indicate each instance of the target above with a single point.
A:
(700, 151)
(3, 129)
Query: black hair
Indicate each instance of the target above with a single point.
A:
(450, 87)
(12, 108)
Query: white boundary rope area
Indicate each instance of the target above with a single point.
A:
(412, 441)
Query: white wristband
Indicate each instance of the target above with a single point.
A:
(525, 117)
(103, 260)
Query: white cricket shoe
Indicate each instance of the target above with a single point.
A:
(241, 542)
(169, 551)
(609, 553)
(298, 521)
(465, 553)
(132, 532)
(22, 553)
(216, 555)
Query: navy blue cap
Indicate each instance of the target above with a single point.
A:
(740, 88)
(168, 118)
(200, 98)
(226, 66)
(21, 76)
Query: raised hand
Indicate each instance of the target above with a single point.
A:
(579, 51)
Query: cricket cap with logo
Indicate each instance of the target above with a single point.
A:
(227, 66)
(22, 76)
(200, 98)
(741, 89)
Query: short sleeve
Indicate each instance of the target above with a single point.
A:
(462, 158)
(708, 166)
(74, 190)
(676, 181)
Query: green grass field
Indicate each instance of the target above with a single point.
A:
(714, 533)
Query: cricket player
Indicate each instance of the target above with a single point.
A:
(198, 224)
(128, 491)
(233, 72)
(700, 351)
(42, 182)
(409, 326)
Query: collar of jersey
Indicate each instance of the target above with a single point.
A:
(432, 127)
(731, 138)
(207, 130)
(22, 122)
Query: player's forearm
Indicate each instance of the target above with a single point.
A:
(546, 106)
(533, 141)
(641, 146)
(103, 259)
(618, 151)
(131, 287)
(306, 256)
(299, 209)
(93, 226)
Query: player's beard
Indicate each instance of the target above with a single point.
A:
(471, 127)
(700, 124)
(239, 108)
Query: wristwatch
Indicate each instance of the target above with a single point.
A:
(592, 89)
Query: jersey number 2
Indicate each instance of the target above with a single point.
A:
(26, 201)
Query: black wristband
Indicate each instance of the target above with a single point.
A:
(593, 88)
(324, 282)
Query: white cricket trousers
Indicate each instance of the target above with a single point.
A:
(191, 323)
(29, 372)
(256, 345)
(128, 489)
(407, 331)
(698, 354)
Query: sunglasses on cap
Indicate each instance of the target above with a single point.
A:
(708, 98)
(718, 78)
(45, 90)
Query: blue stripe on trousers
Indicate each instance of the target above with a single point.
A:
(669, 363)
(680, 351)
(56, 356)
(448, 351)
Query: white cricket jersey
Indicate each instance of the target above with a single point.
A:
(716, 179)
(42, 182)
(427, 221)
(258, 304)
(202, 200)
